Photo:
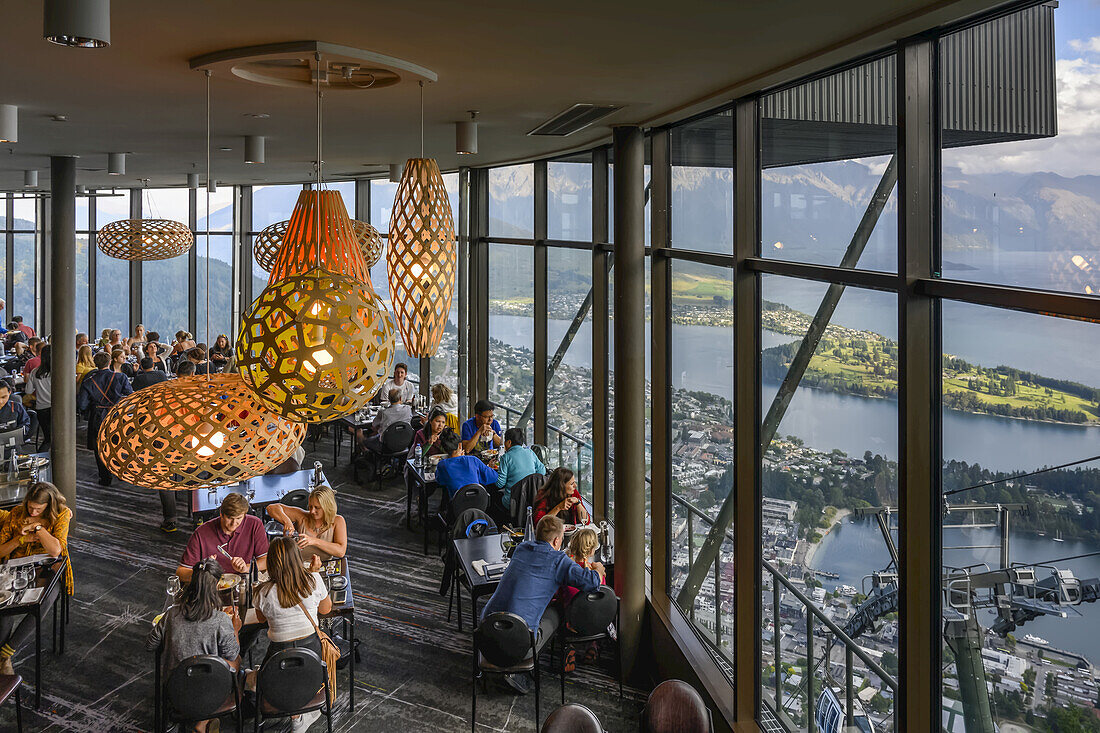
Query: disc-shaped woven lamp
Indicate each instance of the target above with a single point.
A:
(144, 239)
(194, 433)
(266, 247)
(315, 347)
(421, 258)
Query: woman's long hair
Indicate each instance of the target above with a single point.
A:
(43, 369)
(46, 493)
(84, 357)
(554, 491)
(284, 565)
(326, 499)
(199, 599)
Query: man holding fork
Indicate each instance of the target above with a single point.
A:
(234, 538)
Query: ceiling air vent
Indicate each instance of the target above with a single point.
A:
(577, 117)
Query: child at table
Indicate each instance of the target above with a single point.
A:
(582, 546)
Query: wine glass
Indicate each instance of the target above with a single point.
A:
(21, 581)
(173, 585)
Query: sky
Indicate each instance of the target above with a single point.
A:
(1076, 149)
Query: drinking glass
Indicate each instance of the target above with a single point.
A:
(173, 585)
(251, 493)
(21, 580)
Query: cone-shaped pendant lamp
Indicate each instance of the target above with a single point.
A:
(320, 236)
(194, 433)
(421, 258)
(315, 347)
(265, 250)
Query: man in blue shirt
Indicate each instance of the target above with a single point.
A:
(99, 391)
(534, 574)
(517, 463)
(12, 414)
(481, 428)
(460, 469)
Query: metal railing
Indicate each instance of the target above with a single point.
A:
(564, 438)
(813, 614)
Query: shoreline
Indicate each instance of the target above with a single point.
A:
(811, 551)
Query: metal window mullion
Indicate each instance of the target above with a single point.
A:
(135, 265)
(481, 289)
(746, 411)
(540, 302)
(660, 379)
(245, 275)
(601, 358)
(463, 287)
(93, 327)
(192, 264)
(919, 519)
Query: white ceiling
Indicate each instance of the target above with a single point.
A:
(516, 61)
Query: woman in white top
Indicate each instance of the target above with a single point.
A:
(38, 384)
(292, 593)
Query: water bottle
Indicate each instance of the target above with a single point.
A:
(418, 455)
(529, 529)
(13, 467)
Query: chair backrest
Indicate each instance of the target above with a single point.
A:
(470, 496)
(541, 452)
(590, 613)
(291, 678)
(198, 686)
(398, 437)
(33, 416)
(299, 499)
(674, 706)
(572, 718)
(523, 496)
(504, 639)
(473, 523)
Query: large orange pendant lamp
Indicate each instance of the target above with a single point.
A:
(318, 342)
(422, 257)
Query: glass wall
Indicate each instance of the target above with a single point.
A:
(112, 276)
(219, 221)
(569, 202)
(512, 201)
(511, 328)
(702, 184)
(84, 209)
(165, 283)
(25, 238)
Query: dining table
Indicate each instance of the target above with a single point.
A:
(260, 491)
(35, 593)
(12, 490)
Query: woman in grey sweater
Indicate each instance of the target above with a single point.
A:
(196, 624)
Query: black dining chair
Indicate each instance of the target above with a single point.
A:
(674, 706)
(470, 496)
(299, 499)
(395, 445)
(504, 645)
(9, 685)
(572, 718)
(200, 688)
(292, 682)
(587, 617)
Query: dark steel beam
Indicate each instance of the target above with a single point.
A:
(919, 518)
(480, 289)
(629, 337)
(601, 360)
(823, 273)
(135, 266)
(463, 286)
(660, 361)
(541, 302)
(1043, 302)
(244, 276)
(745, 507)
(9, 255)
(63, 323)
(192, 266)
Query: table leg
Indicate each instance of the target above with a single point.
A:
(351, 667)
(408, 502)
(336, 443)
(38, 659)
(423, 498)
(156, 694)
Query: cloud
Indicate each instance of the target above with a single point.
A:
(1088, 45)
(1073, 152)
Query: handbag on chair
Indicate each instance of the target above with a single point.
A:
(330, 653)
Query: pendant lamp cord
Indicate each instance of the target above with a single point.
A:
(421, 119)
(208, 216)
(320, 173)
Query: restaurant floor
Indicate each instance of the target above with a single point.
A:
(415, 668)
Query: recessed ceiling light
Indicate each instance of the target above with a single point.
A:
(225, 150)
(257, 115)
(59, 118)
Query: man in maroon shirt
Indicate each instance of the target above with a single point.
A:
(234, 538)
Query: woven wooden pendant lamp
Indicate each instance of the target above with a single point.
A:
(194, 433)
(319, 236)
(267, 244)
(316, 347)
(144, 239)
(422, 257)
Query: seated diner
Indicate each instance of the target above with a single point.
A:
(234, 539)
(320, 531)
(459, 469)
